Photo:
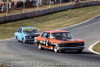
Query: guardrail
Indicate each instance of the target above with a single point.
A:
(45, 11)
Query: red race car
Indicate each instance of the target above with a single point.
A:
(58, 41)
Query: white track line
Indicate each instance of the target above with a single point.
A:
(91, 48)
(79, 23)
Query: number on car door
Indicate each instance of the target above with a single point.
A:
(45, 39)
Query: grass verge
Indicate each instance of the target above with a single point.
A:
(97, 47)
(51, 21)
(3, 65)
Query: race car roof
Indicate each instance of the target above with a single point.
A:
(27, 27)
(54, 31)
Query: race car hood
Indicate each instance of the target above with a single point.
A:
(73, 40)
(33, 34)
(65, 39)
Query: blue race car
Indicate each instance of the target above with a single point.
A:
(27, 34)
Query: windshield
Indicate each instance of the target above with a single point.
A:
(62, 35)
(31, 31)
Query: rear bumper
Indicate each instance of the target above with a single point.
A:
(71, 48)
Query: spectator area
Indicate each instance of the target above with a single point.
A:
(13, 4)
(20, 4)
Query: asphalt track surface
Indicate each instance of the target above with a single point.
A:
(17, 54)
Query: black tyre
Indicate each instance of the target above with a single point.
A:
(80, 51)
(17, 39)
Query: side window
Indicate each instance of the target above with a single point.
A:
(64, 35)
(19, 30)
(46, 35)
(69, 35)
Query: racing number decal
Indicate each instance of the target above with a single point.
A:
(19, 36)
(47, 43)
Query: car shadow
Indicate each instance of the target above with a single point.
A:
(74, 52)
(66, 52)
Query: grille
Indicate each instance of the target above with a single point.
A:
(30, 37)
(71, 44)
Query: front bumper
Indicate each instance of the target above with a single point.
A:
(27, 40)
(71, 48)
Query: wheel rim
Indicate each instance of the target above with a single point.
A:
(39, 46)
(23, 41)
(55, 49)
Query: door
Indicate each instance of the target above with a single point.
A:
(44, 40)
(19, 34)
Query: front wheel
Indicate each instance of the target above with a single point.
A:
(23, 41)
(17, 39)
